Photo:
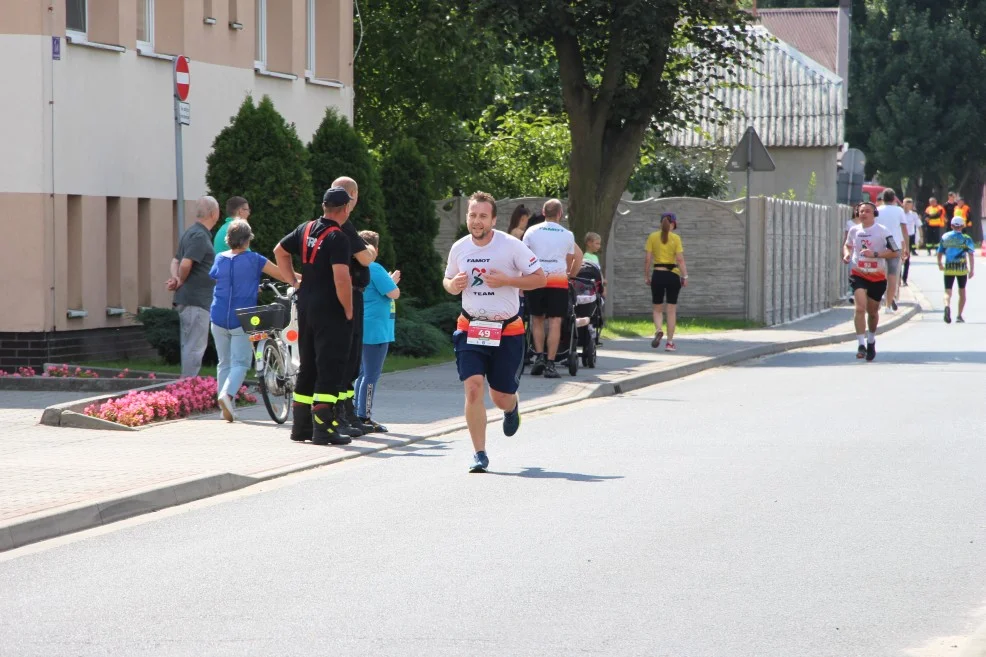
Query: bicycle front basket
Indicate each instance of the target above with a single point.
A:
(263, 318)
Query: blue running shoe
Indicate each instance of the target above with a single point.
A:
(480, 462)
(511, 421)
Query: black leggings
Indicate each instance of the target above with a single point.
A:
(664, 283)
(907, 263)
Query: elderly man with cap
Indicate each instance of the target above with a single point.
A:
(325, 318)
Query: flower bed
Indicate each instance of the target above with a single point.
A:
(176, 400)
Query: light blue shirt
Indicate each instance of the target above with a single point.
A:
(379, 311)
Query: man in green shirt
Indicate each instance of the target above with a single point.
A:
(236, 208)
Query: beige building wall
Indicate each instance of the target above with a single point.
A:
(87, 172)
(794, 169)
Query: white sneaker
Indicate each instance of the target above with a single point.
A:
(228, 407)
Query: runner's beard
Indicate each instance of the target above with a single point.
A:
(483, 233)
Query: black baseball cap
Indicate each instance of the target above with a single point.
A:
(336, 197)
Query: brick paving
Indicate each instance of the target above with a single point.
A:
(45, 468)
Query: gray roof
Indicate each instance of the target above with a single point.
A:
(791, 100)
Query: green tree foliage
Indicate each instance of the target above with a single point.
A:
(259, 156)
(424, 72)
(625, 68)
(915, 97)
(521, 153)
(407, 194)
(665, 171)
(337, 150)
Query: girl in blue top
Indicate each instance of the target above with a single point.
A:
(379, 312)
(237, 274)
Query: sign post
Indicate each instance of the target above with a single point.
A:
(750, 155)
(182, 85)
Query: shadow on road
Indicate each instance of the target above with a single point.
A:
(541, 473)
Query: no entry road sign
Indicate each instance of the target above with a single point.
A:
(183, 81)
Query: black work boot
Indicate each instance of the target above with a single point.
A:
(301, 426)
(325, 428)
(343, 425)
(354, 420)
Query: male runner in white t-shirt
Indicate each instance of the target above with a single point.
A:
(554, 245)
(868, 248)
(488, 268)
(891, 216)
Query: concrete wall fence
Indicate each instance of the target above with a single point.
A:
(784, 265)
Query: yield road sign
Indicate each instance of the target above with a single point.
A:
(750, 154)
(183, 81)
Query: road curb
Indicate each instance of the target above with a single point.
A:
(66, 520)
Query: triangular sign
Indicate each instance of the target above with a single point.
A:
(750, 153)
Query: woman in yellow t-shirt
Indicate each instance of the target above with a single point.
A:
(665, 272)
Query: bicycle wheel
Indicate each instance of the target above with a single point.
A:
(277, 395)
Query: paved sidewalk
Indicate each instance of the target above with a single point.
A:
(56, 480)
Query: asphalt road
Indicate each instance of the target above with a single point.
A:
(805, 504)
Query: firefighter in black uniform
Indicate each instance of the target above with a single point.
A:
(363, 255)
(325, 318)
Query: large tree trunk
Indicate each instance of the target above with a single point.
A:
(599, 176)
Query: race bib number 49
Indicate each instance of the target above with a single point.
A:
(486, 334)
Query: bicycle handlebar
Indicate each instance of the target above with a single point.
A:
(277, 291)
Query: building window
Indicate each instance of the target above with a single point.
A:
(261, 56)
(76, 16)
(145, 24)
(310, 61)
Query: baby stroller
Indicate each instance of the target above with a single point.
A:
(587, 316)
(590, 271)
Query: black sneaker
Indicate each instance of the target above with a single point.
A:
(324, 426)
(511, 421)
(959, 320)
(948, 315)
(550, 372)
(657, 339)
(861, 352)
(375, 427)
(539, 363)
(301, 426)
(870, 351)
(893, 304)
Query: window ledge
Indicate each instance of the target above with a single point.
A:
(149, 52)
(260, 70)
(311, 79)
(77, 313)
(115, 312)
(81, 40)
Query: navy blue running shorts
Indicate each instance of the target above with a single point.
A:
(500, 365)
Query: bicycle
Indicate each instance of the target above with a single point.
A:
(274, 330)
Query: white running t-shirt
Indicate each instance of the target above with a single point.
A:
(551, 243)
(874, 238)
(505, 254)
(892, 218)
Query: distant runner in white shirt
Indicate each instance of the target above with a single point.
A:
(868, 248)
(891, 216)
(555, 247)
(488, 268)
(913, 223)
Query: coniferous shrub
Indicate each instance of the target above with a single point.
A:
(337, 150)
(259, 156)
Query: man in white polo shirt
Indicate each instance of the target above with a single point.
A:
(891, 216)
(554, 245)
